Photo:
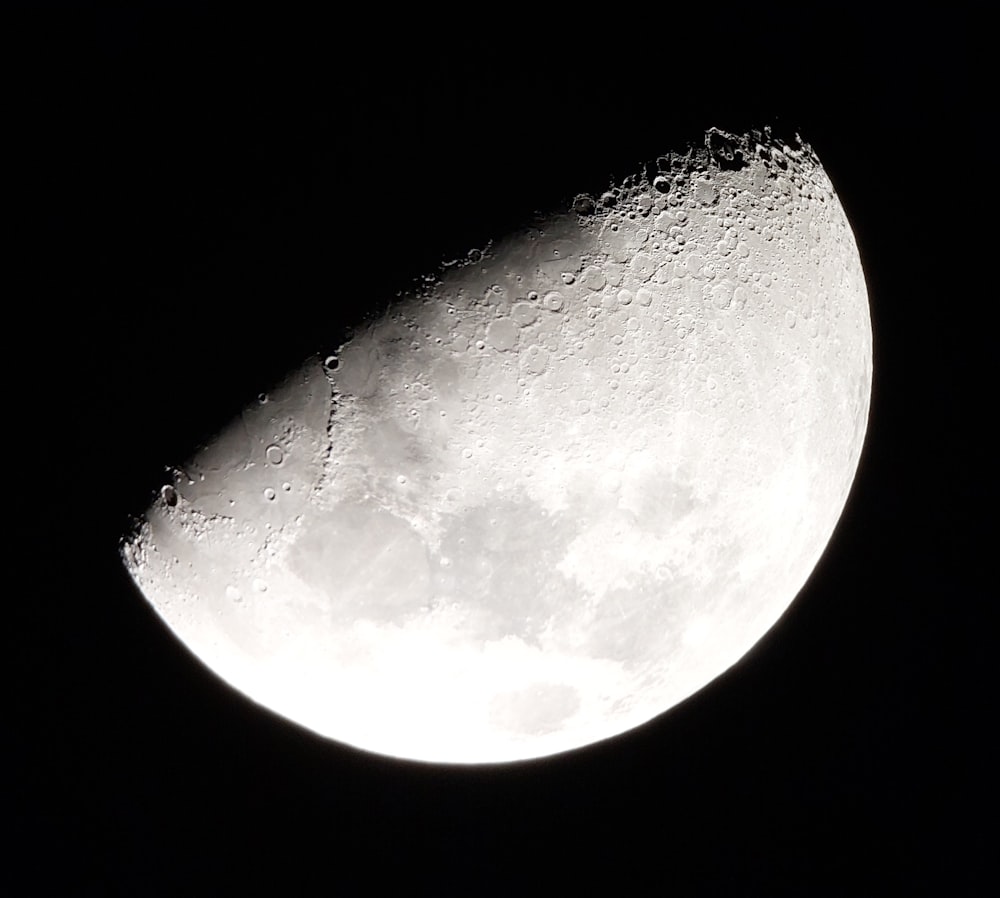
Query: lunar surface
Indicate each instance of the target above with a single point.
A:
(556, 489)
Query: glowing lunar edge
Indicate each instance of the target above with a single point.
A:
(551, 493)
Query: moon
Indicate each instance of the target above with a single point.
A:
(554, 490)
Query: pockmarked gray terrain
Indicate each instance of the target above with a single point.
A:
(554, 490)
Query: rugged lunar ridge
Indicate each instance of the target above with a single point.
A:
(553, 491)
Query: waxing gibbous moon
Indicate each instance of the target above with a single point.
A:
(555, 490)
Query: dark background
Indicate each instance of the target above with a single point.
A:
(208, 198)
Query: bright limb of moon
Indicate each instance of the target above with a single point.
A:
(553, 492)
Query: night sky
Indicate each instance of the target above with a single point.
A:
(211, 199)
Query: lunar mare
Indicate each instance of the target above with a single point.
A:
(555, 490)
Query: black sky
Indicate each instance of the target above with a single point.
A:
(212, 198)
